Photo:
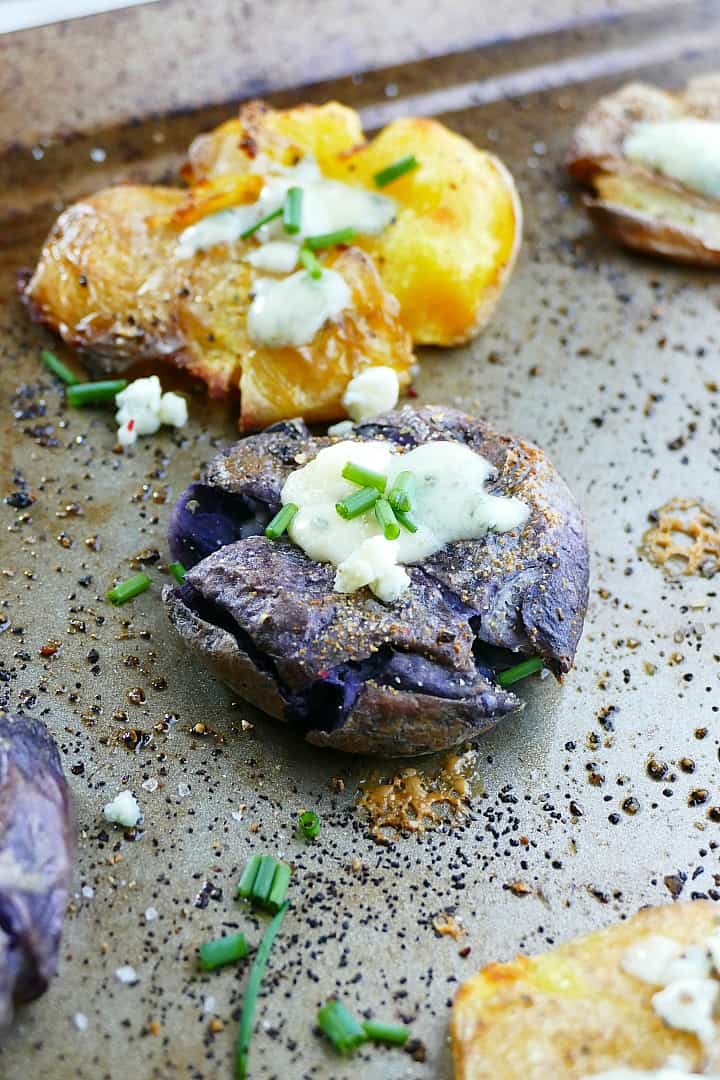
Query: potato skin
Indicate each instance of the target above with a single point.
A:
(449, 254)
(573, 1010)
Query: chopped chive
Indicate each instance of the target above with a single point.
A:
(398, 168)
(405, 520)
(357, 503)
(263, 221)
(178, 571)
(386, 519)
(242, 1042)
(311, 264)
(392, 1034)
(402, 494)
(221, 951)
(309, 824)
(357, 474)
(90, 393)
(57, 367)
(126, 590)
(328, 239)
(275, 528)
(520, 671)
(247, 880)
(263, 882)
(280, 882)
(292, 210)
(340, 1026)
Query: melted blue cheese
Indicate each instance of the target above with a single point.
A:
(451, 504)
(290, 311)
(685, 150)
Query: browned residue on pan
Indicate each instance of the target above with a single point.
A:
(683, 539)
(414, 800)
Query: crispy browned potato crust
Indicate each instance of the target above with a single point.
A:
(638, 207)
(573, 1010)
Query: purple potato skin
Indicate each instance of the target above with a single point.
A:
(349, 672)
(37, 845)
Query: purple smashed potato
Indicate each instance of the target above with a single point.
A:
(346, 670)
(36, 859)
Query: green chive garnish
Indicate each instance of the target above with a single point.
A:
(328, 239)
(405, 520)
(311, 264)
(357, 474)
(275, 528)
(402, 494)
(520, 671)
(263, 882)
(242, 1042)
(247, 880)
(263, 221)
(386, 519)
(178, 571)
(309, 824)
(279, 888)
(392, 1034)
(90, 393)
(340, 1026)
(221, 951)
(398, 168)
(357, 503)
(57, 367)
(126, 590)
(292, 210)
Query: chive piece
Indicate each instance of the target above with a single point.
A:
(263, 221)
(221, 951)
(247, 880)
(126, 590)
(263, 882)
(292, 210)
(90, 393)
(309, 824)
(363, 477)
(57, 367)
(357, 503)
(397, 169)
(275, 528)
(386, 519)
(242, 1042)
(311, 264)
(520, 671)
(340, 1026)
(402, 494)
(178, 571)
(405, 520)
(392, 1034)
(328, 239)
(280, 883)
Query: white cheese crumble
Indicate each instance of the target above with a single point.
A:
(341, 429)
(127, 975)
(142, 408)
(451, 503)
(373, 391)
(686, 150)
(687, 1005)
(123, 810)
(292, 310)
(277, 257)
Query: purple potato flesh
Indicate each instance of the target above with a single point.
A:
(346, 670)
(37, 845)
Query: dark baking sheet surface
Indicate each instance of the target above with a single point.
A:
(608, 361)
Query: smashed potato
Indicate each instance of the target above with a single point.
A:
(638, 206)
(575, 1011)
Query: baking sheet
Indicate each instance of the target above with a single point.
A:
(605, 359)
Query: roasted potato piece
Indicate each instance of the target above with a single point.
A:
(111, 282)
(639, 207)
(450, 252)
(574, 1011)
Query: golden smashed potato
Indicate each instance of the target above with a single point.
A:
(451, 250)
(574, 1011)
(637, 206)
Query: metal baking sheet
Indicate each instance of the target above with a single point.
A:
(607, 360)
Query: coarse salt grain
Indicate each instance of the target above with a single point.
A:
(127, 975)
(80, 1021)
(151, 914)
